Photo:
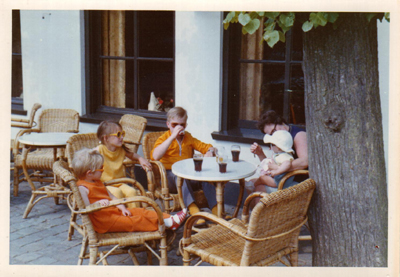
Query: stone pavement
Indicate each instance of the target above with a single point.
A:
(41, 239)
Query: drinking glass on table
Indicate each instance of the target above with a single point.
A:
(235, 149)
(220, 150)
(198, 161)
(222, 162)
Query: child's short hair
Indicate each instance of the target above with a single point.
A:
(86, 159)
(105, 128)
(176, 112)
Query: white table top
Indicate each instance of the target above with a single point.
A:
(45, 139)
(210, 170)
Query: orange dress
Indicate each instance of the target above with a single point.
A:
(112, 220)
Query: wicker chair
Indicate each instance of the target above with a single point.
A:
(261, 239)
(134, 127)
(301, 172)
(95, 240)
(50, 120)
(157, 178)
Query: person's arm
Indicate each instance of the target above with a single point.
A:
(84, 194)
(143, 162)
(257, 150)
(121, 207)
(300, 146)
(284, 167)
(205, 148)
(160, 150)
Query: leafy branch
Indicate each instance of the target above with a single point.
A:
(276, 24)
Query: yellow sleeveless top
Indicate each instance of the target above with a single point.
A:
(113, 163)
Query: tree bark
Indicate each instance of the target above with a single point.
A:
(349, 210)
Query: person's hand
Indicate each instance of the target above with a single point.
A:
(124, 210)
(210, 152)
(146, 165)
(256, 149)
(104, 202)
(263, 172)
(176, 131)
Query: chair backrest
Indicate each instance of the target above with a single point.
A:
(277, 213)
(149, 140)
(59, 120)
(134, 127)
(79, 141)
(27, 123)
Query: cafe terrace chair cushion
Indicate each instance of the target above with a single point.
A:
(259, 239)
(119, 242)
(50, 120)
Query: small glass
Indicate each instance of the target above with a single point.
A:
(219, 151)
(198, 161)
(235, 149)
(222, 162)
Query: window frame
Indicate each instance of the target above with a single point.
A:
(233, 128)
(95, 111)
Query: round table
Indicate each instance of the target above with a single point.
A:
(210, 173)
(42, 140)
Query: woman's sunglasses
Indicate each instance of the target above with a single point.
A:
(173, 125)
(119, 134)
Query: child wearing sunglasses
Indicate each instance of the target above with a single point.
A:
(111, 136)
(87, 165)
(281, 142)
(175, 145)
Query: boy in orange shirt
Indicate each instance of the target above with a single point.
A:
(177, 144)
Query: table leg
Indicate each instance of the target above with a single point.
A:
(240, 198)
(179, 184)
(219, 189)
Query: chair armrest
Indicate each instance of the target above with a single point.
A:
(187, 231)
(246, 208)
(61, 169)
(290, 174)
(128, 181)
(163, 179)
(19, 119)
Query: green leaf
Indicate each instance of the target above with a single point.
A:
(271, 38)
(252, 26)
(244, 32)
(254, 15)
(282, 36)
(307, 26)
(261, 14)
(319, 19)
(284, 27)
(244, 19)
(269, 26)
(287, 19)
(229, 17)
(272, 15)
(332, 17)
(387, 17)
(369, 16)
(226, 26)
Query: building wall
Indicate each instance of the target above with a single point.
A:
(53, 68)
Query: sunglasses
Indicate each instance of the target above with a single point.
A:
(173, 125)
(100, 169)
(119, 134)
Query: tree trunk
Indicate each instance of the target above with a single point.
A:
(348, 214)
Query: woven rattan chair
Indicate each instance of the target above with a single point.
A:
(134, 127)
(303, 173)
(261, 239)
(157, 178)
(94, 240)
(50, 120)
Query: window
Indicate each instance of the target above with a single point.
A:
(16, 66)
(258, 78)
(131, 54)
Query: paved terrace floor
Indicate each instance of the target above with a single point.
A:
(41, 239)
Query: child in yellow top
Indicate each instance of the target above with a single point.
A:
(87, 166)
(114, 152)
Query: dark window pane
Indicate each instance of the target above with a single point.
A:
(297, 113)
(297, 43)
(276, 53)
(155, 77)
(273, 87)
(156, 32)
(16, 83)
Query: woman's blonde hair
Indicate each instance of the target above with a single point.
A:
(86, 159)
(176, 112)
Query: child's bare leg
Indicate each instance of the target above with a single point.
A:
(261, 185)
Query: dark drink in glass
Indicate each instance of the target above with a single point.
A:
(197, 164)
(222, 167)
(235, 155)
